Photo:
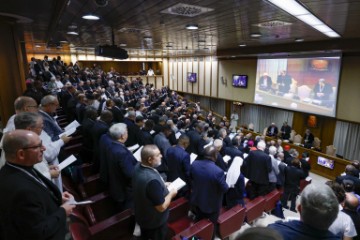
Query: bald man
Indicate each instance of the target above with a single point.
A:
(350, 206)
(21, 104)
(31, 206)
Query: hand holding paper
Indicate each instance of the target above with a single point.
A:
(67, 162)
(177, 184)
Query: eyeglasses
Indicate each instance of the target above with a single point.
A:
(34, 147)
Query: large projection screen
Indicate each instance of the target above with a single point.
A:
(305, 84)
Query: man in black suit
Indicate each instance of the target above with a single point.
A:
(308, 139)
(322, 90)
(283, 81)
(272, 130)
(31, 206)
(350, 174)
(265, 82)
(256, 168)
(285, 131)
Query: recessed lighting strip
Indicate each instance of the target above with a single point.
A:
(295, 9)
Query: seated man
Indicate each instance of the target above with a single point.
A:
(265, 82)
(272, 130)
(318, 210)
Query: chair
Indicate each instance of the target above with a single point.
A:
(331, 150)
(91, 186)
(203, 229)
(231, 221)
(251, 127)
(103, 207)
(292, 135)
(271, 200)
(297, 139)
(316, 143)
(178, 219)
(119, 226)
(254, 209)
(265, 131)
(304, 92)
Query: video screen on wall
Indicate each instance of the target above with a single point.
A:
(304, 84)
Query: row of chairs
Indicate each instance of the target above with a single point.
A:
(229, 221)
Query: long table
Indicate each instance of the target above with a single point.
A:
(338, 167)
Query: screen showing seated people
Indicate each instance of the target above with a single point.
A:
(304, 84)
(191, 77)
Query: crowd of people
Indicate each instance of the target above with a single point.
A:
(116, 114)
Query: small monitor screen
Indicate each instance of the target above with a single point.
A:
(191, 77)
(328, 163)
(305, 84)
(240, 81)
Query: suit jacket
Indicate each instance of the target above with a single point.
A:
(262, 81)
(326, 90)
(340, 179)
(118, 115)
(257, 166)
(51, 127)
(178, 161)
(208, 186)
(274, 133)
(29, 210)
(97, 130)
(195, 138)
(105, 144)
(121, 163)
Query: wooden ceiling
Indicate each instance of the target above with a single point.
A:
(227, 24)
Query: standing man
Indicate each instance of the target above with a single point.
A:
(308, 139)
(256, 168)
(283, 81)
(151, 196)
(49, 104)
(285, 131)
(31, 206)
(208, 186)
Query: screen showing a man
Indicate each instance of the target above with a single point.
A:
(299, 86)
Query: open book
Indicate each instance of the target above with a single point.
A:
(177, 184)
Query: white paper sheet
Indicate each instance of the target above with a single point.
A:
(67, 162)
(177, 184)
(68, 132)
(137, 154)
(73, 124)
(152, 132)
(226, 158)
(209, 144)
(72, 201)
(177, 135)
(193, 156)
(134, 147)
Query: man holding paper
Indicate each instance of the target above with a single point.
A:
(31, 206)
(49, 104)
(151, 196)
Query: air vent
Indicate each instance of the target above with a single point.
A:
(273, 24)
(186, 10)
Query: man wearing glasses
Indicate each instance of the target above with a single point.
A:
(31, 206)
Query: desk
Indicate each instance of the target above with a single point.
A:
(273, 100)
(339, 164)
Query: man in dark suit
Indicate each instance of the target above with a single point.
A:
(208, 186)
(350, 174)
(256, 168)
(265, 82)
(98, 129)
(178, 161)
(31, 206)
(195, 137)
(322, 90)
(120, 163)
(308, 139)
(285, 131)
(283, 81)
(49, 104)
(272, 130)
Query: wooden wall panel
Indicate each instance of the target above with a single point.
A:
(201, 78)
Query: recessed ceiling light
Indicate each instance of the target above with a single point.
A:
(242, 45)
(72, 33)
(90, 17)
(37, 45)
(192, 27)
(122, 45)
(255, 35)
(299, 39)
